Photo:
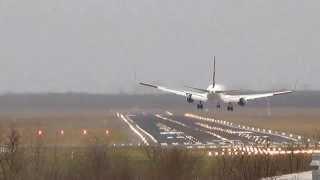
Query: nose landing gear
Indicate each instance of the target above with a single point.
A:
(200, 106)
(218, 106)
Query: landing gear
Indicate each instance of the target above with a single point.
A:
(218, 106)
(230, 107)
(200, 106)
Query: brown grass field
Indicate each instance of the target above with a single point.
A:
(96, 123)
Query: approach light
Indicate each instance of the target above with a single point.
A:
(84, 132)
(40, 132)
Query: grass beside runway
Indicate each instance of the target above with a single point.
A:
(102, 125)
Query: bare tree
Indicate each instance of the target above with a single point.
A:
(11, 159)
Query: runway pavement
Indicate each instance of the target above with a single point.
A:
(189, 130)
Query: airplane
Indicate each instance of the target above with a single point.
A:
(215, 92)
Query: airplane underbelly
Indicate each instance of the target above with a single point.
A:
(214, 97)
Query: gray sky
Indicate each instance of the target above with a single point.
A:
(96, 45)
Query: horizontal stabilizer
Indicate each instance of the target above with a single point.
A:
(198, 89)
(228, 91)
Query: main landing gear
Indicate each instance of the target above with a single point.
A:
(200, 106)
(230, 107)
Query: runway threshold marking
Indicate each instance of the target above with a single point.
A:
(170, 120)
(184, 125)
(226, 123)
(166, 130)
(229, 131)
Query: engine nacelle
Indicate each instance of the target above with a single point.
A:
(189, 98)
(242, 102)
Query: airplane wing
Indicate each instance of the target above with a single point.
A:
(249, 97)
(196, 95)
(264, 95)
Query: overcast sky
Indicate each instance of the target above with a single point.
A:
(97, 45)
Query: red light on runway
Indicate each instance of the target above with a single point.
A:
(84, 132)
(40, 132)
(62, 132)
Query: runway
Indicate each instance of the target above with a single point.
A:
(189, 130)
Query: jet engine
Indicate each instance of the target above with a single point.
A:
(189, 98)
(242, 102)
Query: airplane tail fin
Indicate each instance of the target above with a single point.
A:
(214, 72)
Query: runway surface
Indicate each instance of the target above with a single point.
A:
(167, 129)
